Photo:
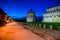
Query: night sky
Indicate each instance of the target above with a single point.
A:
(20, 8)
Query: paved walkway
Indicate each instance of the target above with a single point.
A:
(13, 31)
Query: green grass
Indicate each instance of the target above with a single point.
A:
(55, 25)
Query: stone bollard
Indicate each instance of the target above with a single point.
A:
(36, 25)
(31, 24)
(51, 27)
(39, 25)
(59, 28)
(44, 26)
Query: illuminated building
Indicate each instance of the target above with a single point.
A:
(52, 14)
(4, 16)
(30, 16)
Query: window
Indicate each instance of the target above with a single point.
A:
(54, 16)
(50, 16)
(45, 16)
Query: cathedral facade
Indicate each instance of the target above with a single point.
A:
(52, 14)
(30, 16)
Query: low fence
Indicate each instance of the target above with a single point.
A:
(49, 25)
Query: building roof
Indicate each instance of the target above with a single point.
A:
(53, 6)
(31, 11)
(52, 11)
(2, 12)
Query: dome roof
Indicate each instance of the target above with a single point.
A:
(31, 11)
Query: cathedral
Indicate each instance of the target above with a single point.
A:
(52, 14)
(30, 16)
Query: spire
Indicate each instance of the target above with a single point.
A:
(31, 11)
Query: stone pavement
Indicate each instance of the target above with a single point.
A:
(14, 31)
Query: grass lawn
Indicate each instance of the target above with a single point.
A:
(55, 25)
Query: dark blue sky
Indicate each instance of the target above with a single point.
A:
(19, 8)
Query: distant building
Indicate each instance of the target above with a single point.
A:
(52, 14)
(30, 16)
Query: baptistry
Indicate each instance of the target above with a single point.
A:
(30, 16)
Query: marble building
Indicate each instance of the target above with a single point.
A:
(30, 16)
(52, 14)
